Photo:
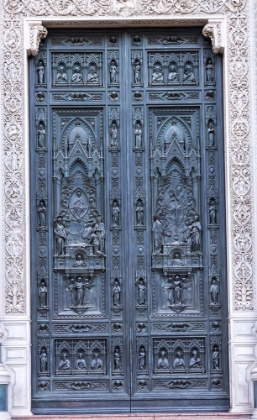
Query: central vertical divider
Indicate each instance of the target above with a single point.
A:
(127, 205)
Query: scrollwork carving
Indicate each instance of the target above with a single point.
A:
(213, 31)
(37, 33)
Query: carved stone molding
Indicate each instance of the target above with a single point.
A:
(37, 33)
(213, 31)
(238, 128)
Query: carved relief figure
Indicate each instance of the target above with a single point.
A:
(187, 291)
(163, 362)
(173, 74)
(100, 233)
(157, 234)
(78, 204)
(115, 213)
(214, 291)
(79, 261)
(141, 290)
(114, 135)
(61, 75)
(92, 76)
(139, 213)
(41, 214)
(212, 212)
(138, 135)
(64, 363)
(42, 293)
(188, 73)
(177, 259)
(157, 76)
(216, 358)
(137, 70)
(89, 294)
(71, 293)
(113, 72)
(94, 234)
(43, 360)
(40, 72)
(79, 286)
(41, 135)
(77, 75)
(116, 293)
(80, 362)
(96, 362)
(209, 71)
(195, 234)
(60, 234)
(179, 361)
(177, 290)
(211, 133)
(117, 359)
(169, 290)
(87, 232)
(142, 358)
(195, 361)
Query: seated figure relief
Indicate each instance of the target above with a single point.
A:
(61, 75)
(157, 76)
(163, 362)
(64, 363)
(195, 361)
(173, 76)
(179, 361)
(77, 75)
(188, 76)
(92, 76)
(80, 362)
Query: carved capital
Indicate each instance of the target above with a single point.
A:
(37, 33)
(213, 31)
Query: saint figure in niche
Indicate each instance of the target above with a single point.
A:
(64, 363)
(163, 362)
(80, 362)
(173, 74)
(92, 76)
(157, 76)
(77, 75)
(43, 360)
(40, 72)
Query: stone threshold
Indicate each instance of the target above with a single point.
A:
(177, 416)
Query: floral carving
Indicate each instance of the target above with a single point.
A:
(240, 163)
(121, 7)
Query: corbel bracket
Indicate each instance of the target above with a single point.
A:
(36, 32)
(214, 30)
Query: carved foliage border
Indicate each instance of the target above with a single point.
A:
(239, 130)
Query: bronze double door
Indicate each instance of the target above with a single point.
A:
(128, 255)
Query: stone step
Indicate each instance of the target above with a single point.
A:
(177, 416)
